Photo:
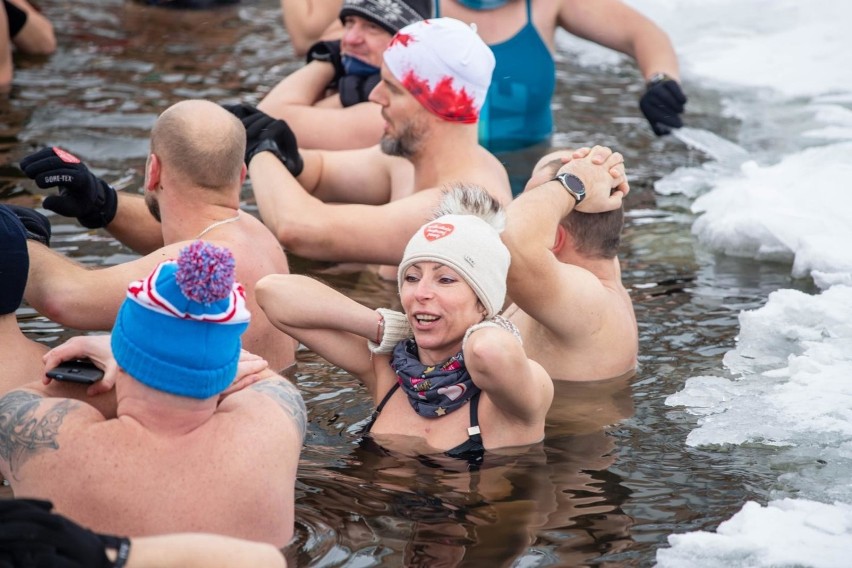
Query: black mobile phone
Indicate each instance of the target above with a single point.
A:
(76, 371)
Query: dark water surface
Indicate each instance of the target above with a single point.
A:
(613, 478)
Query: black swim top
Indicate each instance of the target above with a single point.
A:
(471, 450)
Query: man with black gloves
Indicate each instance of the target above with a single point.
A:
(364, 205)
(193, 179)
(326, 102)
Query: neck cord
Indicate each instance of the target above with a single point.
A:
(216, 224)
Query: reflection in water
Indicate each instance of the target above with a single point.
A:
(553, 500)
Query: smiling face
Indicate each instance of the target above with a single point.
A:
(364, 40)
(440, 306)
(406, 121)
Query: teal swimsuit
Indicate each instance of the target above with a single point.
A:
(517, 113)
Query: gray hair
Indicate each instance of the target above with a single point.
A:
(461, 198)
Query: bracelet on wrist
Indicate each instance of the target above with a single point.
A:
(380, 328)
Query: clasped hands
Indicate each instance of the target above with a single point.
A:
(602, 172)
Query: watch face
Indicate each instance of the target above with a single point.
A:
(574, 185)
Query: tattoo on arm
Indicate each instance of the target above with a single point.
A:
(22, 433)
(288, 398)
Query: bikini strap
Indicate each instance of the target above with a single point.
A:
(437, 8)
(473, 431)
(529, 11)
(378, 409)
(387, 398)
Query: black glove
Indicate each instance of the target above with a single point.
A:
(81, 193)
(329, 52)
(662, 104)
(356, 89)
(33, 536)
(267, 134)
(36, 224)
(241, 110)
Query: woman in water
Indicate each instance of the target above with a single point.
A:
(449, 375)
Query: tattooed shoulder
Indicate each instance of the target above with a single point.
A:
(29, 425)
(288, 398)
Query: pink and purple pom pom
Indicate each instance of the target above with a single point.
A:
(205, 272)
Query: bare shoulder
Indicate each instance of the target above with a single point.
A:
(491, 174)
(255, 237)
(287, 397)
(32, 425)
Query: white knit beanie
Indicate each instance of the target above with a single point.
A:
(470, 246)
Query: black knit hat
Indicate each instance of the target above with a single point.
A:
(392, 15)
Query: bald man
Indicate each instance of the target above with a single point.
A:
(193, 176)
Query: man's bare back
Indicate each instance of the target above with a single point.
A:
(123, 476)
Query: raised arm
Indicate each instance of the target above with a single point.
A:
(36, 36)
(310, 227)
(304, 86)
(499, 366)
(95, 203)
(537, 279)
(81, 297)
(319, 121)
(307, 21)
(618, 26)
(614, 24)
(327, 322)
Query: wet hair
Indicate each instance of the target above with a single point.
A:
(204, 144)
(596, 235)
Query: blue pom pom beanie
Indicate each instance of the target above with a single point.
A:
(179, 329)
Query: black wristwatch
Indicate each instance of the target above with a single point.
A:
(572, 185)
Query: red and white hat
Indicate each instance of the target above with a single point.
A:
(446, 66)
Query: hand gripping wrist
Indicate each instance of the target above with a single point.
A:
(396, 328)
(496, 321)
(293, 164)
(266, 134)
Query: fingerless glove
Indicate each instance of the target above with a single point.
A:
(396, 328)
